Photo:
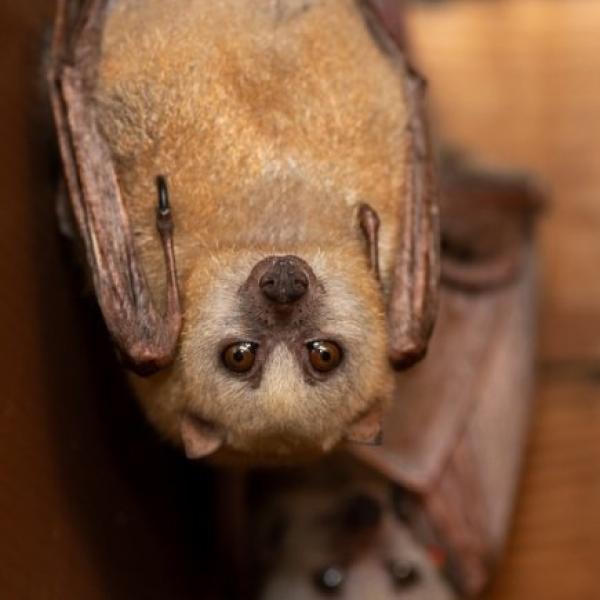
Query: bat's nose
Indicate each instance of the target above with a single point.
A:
(285, 281)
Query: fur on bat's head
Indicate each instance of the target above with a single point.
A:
(353, 542)
(280, 354)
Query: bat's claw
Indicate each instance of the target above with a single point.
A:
(164, 205)
(163, 209)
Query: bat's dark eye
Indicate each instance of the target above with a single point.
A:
(324, 356)
(329, 581)
(404, 574)
(240, 357)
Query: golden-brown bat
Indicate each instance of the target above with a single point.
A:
(253, 185)
(342, 531)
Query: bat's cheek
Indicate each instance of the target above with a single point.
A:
(271, 425)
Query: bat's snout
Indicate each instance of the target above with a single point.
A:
(285, 280)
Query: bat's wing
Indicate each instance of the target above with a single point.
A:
(456, 434)
(413, 302)
(145, 338)
(485, 215)
(390, 14)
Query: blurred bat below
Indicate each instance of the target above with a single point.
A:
(343, 531)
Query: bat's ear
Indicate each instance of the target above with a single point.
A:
(369, 224)
(415, 280)
(146, 339)
(368, 428)
(200, 439)
(414, 295)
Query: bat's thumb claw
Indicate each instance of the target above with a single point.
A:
(164, 205)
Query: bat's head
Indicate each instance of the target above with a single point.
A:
(269, 146)
(350, 543)
(281, 355)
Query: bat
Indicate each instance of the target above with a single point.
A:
(343, 531)
(254, 188)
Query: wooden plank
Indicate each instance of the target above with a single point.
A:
(554, 551)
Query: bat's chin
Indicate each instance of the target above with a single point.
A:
(202, 438)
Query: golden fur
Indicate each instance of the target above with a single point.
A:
(272, 120)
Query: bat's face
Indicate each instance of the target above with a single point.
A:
(348, 545)
(280, 355)
(272, 122)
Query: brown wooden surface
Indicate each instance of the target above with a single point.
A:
(518, 83)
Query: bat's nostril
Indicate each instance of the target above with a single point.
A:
(284, 282)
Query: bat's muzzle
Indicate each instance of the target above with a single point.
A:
(285, 281)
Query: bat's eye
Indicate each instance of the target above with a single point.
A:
(404, 574)
(329, 581)
(324, 356)
(240, 357)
